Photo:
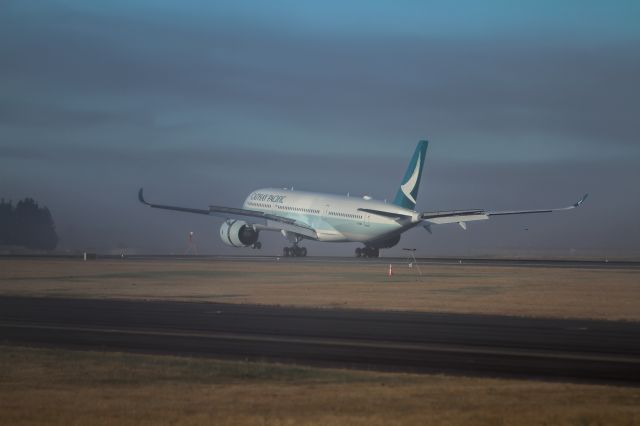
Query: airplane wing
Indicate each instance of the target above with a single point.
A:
(462, 216)
(392, 215)
(275, 222)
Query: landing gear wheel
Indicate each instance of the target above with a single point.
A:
(368, 252)
(257, 245)
(294, 251)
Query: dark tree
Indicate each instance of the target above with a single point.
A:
(27, 225)
(6, 222)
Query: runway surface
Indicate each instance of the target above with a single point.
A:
(544, 263)
(575, 350)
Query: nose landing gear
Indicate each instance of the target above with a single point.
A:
(367, 251)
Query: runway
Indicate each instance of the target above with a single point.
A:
(574, 350)
(543, 263)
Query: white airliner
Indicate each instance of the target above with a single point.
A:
(300, 215)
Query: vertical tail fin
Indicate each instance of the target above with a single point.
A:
(408, 191)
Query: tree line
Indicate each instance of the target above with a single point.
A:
(27, 225)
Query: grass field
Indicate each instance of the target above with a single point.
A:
(45, 386)
(61, 387)
(612, 294)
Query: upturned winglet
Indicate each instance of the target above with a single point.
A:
(584, 197)
(141, 198)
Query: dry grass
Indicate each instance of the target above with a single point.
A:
(61, 387)
(612, 294)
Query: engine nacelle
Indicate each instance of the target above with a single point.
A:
(238, 233)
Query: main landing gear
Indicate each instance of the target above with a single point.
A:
(257, 245)
(294, 251)
(367, 252)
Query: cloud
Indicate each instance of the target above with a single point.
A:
(459, 87)
(56, 117)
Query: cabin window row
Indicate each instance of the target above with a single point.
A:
(263, 205)
(349, 215)
(299, 209)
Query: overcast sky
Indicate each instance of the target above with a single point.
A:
(200, 102)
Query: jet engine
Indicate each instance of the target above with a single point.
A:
(238, 233)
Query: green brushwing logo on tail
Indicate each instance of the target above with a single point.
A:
(408, 192)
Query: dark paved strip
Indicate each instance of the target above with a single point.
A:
(401, 341)
(543, 263)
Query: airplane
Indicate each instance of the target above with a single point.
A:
(301, 215)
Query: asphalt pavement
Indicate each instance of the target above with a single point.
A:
(496, 346)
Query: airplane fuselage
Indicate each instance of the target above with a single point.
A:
(335, 218)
